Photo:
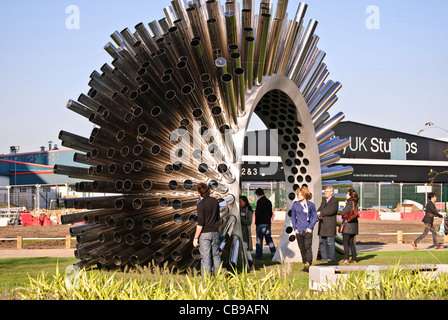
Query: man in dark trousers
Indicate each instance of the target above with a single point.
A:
(263, 216)
(428, 220)
(207, 236)
(327, 225)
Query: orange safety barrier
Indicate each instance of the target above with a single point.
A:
(26, 219)
(369, 215)
(412, 215)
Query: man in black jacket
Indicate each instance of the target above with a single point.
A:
(327, 225)
(263, 216)
(428, 220)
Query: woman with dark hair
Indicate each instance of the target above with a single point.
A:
(303, 218)
(351, 228)
(246, 214)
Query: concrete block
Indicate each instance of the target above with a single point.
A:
(323, 277)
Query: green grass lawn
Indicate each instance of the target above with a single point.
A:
(16, 271)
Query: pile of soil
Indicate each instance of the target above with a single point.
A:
(54, 231)
(367, 229)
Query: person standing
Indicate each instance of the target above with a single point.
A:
(263, 216)
(246, 214)
(207, 236)
(303, 218)
(428, 220)
(351, 229)
(327, 225)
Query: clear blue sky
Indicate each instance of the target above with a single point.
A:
(393, 77)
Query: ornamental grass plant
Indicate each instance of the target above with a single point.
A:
(266, 284)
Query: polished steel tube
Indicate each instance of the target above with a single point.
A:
(321, 121)
(202, 59)
(312, 73)
(226, 134)
(218, 116)
(218, 187)
(248, 61)
(277, 26)
(293, 74)
(233, 6)
(229, 96)
(216, 27)
(79, 108)
(225, 171)
(214, 150)
(335, 172)
(325, 97)
(232, 32)
(226, 230)
(309, 58)
(293, 39)
(246, 18)
(341, 144)
(145, 37)
(200, 117)
(155, 29)
(261, 42)
(330, 124)
(164, 25)
(324, 108)
(72, 172)
(328, 135)
(240, 89)
(329, 160)
(234, 251)
(204, 169)
(199, 27)
(337, 183)
(73, 140)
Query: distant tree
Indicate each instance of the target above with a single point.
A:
(432, 173)
(432, 125)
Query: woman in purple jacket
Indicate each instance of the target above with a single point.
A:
(303, 218)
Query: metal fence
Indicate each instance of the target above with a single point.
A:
(383, 196)
(376, 196)
(33, 197)
(373, 195)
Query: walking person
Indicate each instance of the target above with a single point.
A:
(246, 215)
(327, 225)
(428, 220)
(206, 236)
(263, 216)
(351, 229)
(303, 218)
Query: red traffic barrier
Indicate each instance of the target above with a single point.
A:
(369, 215)
(412, 215)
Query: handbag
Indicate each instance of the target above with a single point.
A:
(341, 227)
(353, 214)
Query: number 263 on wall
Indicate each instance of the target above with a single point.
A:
(249, 172)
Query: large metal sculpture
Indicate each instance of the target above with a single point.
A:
(173, 110)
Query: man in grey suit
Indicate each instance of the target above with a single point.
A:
(327, 225)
